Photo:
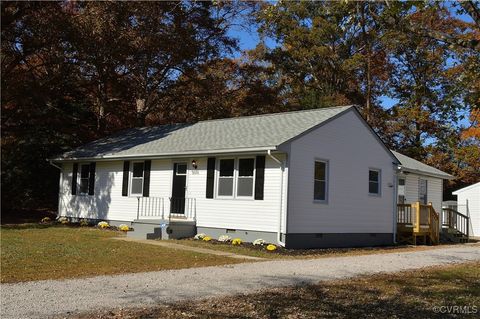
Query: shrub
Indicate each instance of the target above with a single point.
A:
(63, 220)
(124, 227)
(237, 241)
(207, 238)
(199, 236)
(45, 220)
(224, 238)
(271, 247)
(103, 225)
(84, 222)
(259, 242)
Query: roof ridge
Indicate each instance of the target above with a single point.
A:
(240, 117)
(276, 113)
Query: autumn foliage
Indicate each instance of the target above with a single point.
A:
(75, 71)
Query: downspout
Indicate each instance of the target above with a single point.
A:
(282, 168)
(60, 194)
(396, 170)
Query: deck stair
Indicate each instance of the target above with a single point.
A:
(418, 223)
(455, 226)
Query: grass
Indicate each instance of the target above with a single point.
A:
(36, 252)
(282, 253)
(410, 294)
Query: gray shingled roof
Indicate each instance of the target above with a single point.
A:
(233, 134)
(413, 165)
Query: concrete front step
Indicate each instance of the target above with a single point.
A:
(162, 229)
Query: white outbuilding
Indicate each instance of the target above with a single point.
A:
(468, 203)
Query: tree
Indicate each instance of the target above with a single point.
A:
(76, 71)
(329, 52)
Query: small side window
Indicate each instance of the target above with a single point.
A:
(320, 181)
(374, 182)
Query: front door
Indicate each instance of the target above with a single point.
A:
(177, 204)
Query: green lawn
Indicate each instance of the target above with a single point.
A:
(409, 294)
(33, 252)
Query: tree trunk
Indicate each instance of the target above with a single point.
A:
(141, 114)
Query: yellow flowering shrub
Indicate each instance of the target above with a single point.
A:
(207, 238)
(271, 247)
(103, 225)
(123, 227)
(236, 241)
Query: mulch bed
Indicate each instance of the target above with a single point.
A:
(304, 252)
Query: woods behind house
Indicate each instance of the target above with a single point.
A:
(74, 71)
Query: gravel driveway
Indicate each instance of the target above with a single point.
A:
(44, 299)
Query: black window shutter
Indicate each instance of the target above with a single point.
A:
(91, 179)
(146, 178)
(210, 176)
(126, 171)
(74, 179)
(259, 176)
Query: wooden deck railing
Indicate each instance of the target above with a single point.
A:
(452, 219)
(418, 220)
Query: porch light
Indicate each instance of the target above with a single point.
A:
(194, 164)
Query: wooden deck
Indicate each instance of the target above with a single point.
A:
(418, 223)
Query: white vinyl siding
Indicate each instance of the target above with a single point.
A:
(239, 213)
(108, 202)
(434, 189)
(351, 153)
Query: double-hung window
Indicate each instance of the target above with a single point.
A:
(236, 178)
(374, 182)
(137, 178)
(246, 167)
(320, 181)
(226, 177)
(422, 191)
(84, 178)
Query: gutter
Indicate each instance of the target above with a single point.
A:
(419, 172)
(165, 155)
(53, 164)
(280, 210)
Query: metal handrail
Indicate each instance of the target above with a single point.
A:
(151, 207)
(166, 208)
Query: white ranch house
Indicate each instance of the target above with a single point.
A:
(315, 178)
